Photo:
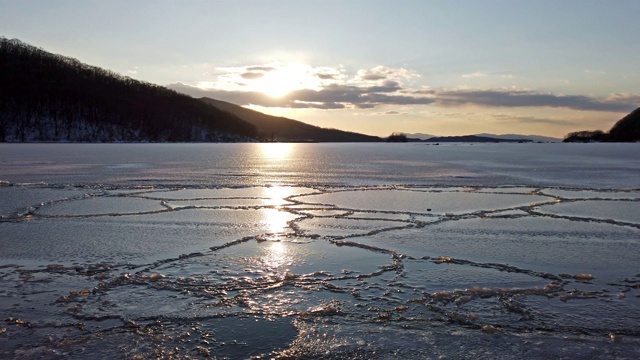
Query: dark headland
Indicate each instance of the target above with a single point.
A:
(626, 129)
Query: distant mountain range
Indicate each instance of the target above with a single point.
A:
(534, 138)
(483, 138)
(472, 139)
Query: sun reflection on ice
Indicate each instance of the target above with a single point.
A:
(276, 221)
(276, 151)
(277, 254)
(276, 163)
(275, 196)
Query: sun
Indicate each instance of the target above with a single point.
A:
(280, 80)
(274, 79)
(276, 84)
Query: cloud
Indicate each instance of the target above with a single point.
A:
(359, 97)
(385, 73)
(386, 87)
(519, 98)
(316, 105)
(364, 106)
(332, 96)
(475, 75)
(532, 120)
(372, 76)
(340, 96)
(251, 75)
(624, 98)
(261, 68)
(484, 75)
(310, 87)
(326, 76)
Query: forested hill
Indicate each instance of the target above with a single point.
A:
(283, 129)
(626, 129)
(49, 97)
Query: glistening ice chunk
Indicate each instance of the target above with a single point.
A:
(234, 202)
(345, 227)
(625, 211)
(135, 237)
(240, 192)
(592, 194)
(422, 202)
(542, 244)
(17, 198)
(99, 205)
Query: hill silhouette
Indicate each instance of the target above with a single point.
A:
(626, 129)
(50, 97)
(277, 128)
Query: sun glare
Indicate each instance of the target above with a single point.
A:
(276, 194)
(274, 79)
(277, 254)
(276, 220)
(276, 151)
(276, 84)
(283, 79)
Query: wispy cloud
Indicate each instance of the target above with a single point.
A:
(519, 98)
(330, 97)
(532, 120)
(482, 74)
(261, 68)
(336, 96)
(392, 112)
(326, 76)
(385, 73)
(475, 75)
(594, 72)
(624, 98)
(251, 75)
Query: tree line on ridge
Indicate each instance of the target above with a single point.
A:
(49, 97)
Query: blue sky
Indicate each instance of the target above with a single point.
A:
(437, 67)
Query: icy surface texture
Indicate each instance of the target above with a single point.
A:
(319, 251)
(591, 166)
(323, 272)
